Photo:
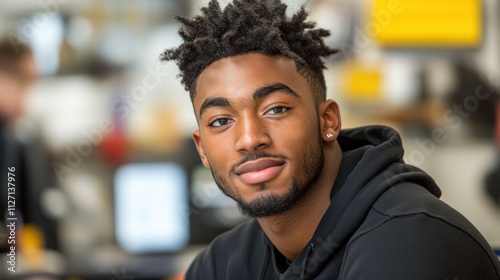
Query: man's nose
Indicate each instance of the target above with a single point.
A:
(251, 134)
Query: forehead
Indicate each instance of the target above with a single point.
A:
(239, 76)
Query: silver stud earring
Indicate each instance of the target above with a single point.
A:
(329, 135)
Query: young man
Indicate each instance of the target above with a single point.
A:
(328, 204)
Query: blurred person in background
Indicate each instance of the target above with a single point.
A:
(32, 174)
(17, 73)
(328, 203)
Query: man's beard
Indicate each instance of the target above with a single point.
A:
(270, 205)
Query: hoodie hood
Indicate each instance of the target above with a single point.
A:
(377, 167)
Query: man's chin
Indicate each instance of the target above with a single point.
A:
(268, 204)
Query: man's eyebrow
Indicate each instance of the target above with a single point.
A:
(214, 102)
(266, 90)
(258, 94)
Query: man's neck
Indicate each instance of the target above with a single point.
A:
(291, 231)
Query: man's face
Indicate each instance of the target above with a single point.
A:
(10, 96)
(259, 131)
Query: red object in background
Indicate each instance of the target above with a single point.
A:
(114, 148)
(497, 132)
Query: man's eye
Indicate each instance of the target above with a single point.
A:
(220, 122)
(277, 110)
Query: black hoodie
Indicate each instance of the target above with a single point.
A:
(385, 221)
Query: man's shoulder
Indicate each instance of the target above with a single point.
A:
(409, 207)
(408, 200)
(411, 233)
(239, 249)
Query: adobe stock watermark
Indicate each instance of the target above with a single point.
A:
(122, 108)
(200, 200)
(32, 25)
(185, 210)
(453, 119)
(320, 250)
(121, 275)
(363, 36)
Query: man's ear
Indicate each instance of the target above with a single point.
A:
(199, 146)
(330, 121)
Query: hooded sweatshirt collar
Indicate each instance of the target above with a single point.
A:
(372, 164)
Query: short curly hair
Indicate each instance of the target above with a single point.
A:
(250, 26)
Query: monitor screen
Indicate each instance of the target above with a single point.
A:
(151, 207)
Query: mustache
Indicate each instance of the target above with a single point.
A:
(255, 156)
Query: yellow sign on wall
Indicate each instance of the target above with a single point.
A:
(426, 23)
(361, 83)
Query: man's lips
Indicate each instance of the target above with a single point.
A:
(260, 170)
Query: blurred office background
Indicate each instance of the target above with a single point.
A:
(114, 188)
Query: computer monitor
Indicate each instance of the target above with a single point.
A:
(151, 207)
